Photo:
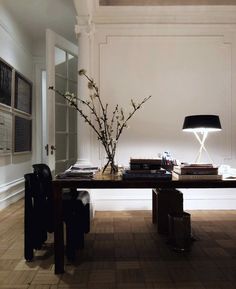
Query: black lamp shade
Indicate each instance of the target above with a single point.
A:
(203, 122)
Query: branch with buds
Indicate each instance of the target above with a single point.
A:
(108, 131)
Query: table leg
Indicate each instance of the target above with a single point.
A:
(58, 230)
(154, 206)
(168, 201)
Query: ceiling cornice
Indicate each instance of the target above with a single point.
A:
(164, 2)
(89, 11)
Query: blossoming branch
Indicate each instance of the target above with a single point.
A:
(108, 131)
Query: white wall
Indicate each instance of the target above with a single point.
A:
(15, 49)
(188, 69)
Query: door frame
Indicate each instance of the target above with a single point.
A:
(53, 40)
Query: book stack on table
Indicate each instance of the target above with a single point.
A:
(146, 169)
(196, 172)
(81, 172)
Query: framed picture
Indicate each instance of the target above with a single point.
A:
(5, 132)
(23, 94)
(5, 83)
(22, 134)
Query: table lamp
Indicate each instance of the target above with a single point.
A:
(200, 125)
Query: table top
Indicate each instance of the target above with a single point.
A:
(115, 182)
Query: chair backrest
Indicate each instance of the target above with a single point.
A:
(44, 180)
(42, 171)
(30, 185)
(44, 177)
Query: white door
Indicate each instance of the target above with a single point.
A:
(61, 119)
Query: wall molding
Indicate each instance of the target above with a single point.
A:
(11, 192)
(226, 34)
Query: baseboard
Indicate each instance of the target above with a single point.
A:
(11, 192)
(209, 199)
(197, 199)
(210, 204)
(120, 205)
(122, 200)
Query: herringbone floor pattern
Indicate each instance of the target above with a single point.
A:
(123, 251)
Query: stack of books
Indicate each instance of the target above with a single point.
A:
(146, 169)
(196, 172)
(81, 172)
(145, 164)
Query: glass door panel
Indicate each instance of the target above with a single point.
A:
(61, 60)
(66, 116)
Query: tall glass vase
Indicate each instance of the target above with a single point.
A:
(110, 166)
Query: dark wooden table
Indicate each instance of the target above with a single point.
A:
(116, 182)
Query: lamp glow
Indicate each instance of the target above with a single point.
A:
(201, 125)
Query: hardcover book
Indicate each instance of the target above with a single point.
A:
(145, 164)
(158, 171)
(195, 177)
(156, 176)
(196, 170)
(147, 161)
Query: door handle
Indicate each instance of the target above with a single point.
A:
(53, 148)
(46, 148)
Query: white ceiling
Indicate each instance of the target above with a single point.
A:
(37, 15)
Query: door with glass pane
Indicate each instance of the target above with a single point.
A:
(61, 145)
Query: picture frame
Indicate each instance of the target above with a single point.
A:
(22, 134)
(23, 94)
(5, 83)
(5, 132)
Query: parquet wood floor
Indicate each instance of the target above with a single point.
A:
(123, 251)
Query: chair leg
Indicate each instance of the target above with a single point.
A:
(28, 222)
(28, 242)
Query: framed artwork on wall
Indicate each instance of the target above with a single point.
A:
(22, 134)
(23, 94)
(15, 111)
(5, 132)
(5, 83)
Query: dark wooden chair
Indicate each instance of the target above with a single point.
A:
(39, 213)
